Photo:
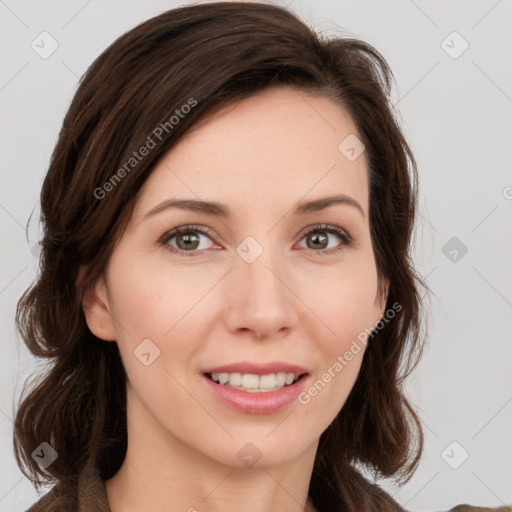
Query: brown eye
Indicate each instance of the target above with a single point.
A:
(318, 240)
(187, 240)
(319, 237)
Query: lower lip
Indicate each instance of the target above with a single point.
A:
(256, 403)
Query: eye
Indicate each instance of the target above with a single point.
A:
(318, 238)
(188, 239)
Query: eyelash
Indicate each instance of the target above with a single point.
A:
(343, 235)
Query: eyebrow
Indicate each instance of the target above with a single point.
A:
(216, 209)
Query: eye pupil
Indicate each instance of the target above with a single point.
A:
(188, 240)
(319, 237)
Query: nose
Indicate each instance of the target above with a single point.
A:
(260, 296)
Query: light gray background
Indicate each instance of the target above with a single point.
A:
(457, 113)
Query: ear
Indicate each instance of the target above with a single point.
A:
(96, 307)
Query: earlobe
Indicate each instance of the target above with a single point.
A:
(96, 309)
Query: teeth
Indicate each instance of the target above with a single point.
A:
(266, 381)
(223, 378)
(250, 381)
(255, 383)
(290, 377)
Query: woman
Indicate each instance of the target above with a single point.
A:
(225, 293)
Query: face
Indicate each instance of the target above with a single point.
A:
(270, 289)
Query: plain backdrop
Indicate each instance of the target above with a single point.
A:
(452, 66)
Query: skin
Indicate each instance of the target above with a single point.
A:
(259, 157)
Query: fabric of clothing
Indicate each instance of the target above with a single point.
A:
(91, 496)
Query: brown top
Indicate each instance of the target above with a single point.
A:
(92, 497)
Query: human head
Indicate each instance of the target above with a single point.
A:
(201, 53)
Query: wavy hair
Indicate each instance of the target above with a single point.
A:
(215, 53)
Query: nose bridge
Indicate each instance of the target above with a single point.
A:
(259, 266)
(259, 298)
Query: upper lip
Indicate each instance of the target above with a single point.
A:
(258, 368)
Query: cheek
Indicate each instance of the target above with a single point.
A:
(344, 299)
(345, 303)
(167, 306)
(151, 299)
(328, 391)
(349, 315)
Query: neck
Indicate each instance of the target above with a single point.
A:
(162, 473)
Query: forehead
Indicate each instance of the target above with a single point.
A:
(272, 148)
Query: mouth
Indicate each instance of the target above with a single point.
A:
(256, 388)
(253, 383)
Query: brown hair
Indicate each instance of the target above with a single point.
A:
(207, 56)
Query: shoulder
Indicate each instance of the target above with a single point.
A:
(382, 501)
(368, 496)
